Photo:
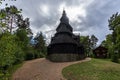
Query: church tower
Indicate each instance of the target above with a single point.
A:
(65, 46)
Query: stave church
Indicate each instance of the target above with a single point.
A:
(64, 45)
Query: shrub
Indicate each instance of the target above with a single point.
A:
(115, 58)
(10, 52)
(29, 53)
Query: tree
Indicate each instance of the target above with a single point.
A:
(117, 46)
(14, 37)
(114, 25)
(22, 38)
(94, 41)
(24, 42)
(9, 17)
(24, 24)
(109, 45)
(86, 43)
(114, 21)
(10, 52)
(104, 43)
(40, 45)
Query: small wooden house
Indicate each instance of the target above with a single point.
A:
(100, 52)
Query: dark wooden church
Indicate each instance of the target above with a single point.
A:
(65, 46)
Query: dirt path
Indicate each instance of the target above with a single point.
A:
(42, 69)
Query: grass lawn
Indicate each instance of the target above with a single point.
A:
(96, 69)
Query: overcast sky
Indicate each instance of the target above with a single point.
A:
(87, 17)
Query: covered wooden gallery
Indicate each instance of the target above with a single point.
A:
(100, 52)
(65, 46)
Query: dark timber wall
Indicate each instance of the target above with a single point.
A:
(58, 57)
(65, 52)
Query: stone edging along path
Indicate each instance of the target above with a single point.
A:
(42, 69)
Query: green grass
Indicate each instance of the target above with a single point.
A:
(9, 72)
(96, 69)
(12, 69)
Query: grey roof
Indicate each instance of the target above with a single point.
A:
(65, 32)
(64, 18)
(63, 38)
(64, 28)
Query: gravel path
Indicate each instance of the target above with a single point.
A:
(42, 69)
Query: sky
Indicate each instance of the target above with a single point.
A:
(87, 17)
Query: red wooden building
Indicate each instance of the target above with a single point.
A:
(100, 52)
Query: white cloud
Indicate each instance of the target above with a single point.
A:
(44, 28)
(73, 11)
(44, 10)
(87, 17)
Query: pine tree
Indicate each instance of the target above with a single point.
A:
(40, 45)
(94, 41)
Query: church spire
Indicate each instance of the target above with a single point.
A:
(64, 13)
(64, 18)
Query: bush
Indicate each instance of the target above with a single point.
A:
(19, 56)
(29, 53)
(39, 54)
(10, 52)
(29, 56)
(115, 58)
